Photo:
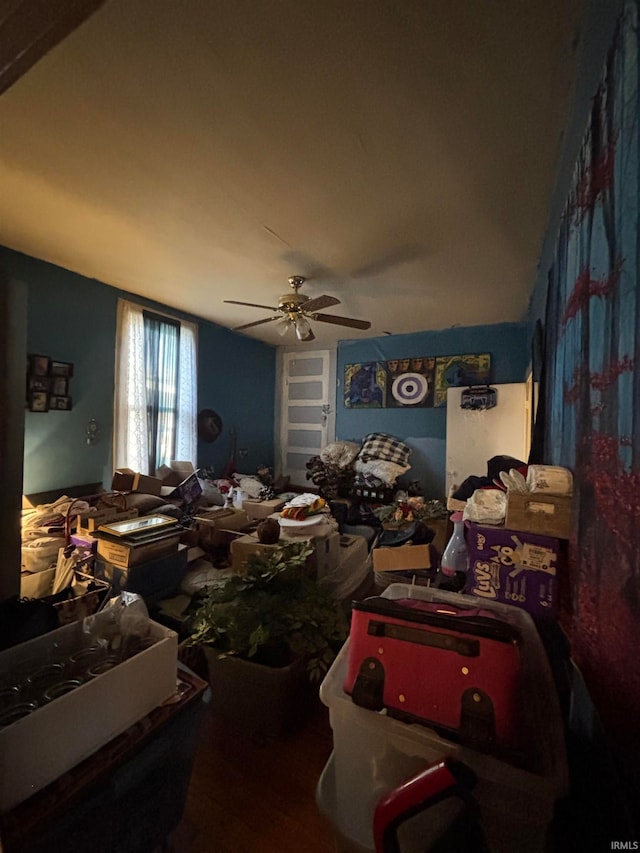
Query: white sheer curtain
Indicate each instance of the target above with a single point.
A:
(130, 431)
(131, 448)
(186, 426)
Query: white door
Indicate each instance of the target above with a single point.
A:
(307, 416)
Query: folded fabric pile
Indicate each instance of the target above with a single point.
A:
(382, 459)
(303, 506)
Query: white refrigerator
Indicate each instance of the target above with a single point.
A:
(475, 437)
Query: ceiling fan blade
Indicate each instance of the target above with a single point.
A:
(319, 302)
(342, 321)
(250, 304)
(256, 323)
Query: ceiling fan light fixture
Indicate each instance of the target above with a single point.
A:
(283, 326)
(303, 328)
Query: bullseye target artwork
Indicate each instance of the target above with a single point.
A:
(411, 383)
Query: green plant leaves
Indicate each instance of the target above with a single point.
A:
(275, 604)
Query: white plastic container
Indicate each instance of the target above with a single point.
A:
(39, 748)
(373, 752)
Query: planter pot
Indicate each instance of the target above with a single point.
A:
(267, 701)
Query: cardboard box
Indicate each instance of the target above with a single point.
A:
(128, 554)
(223, 518)
(188, 490)
(401, 558)
(89, 522)
(122, 480)
(326, 548)
(39, 748)
(182, 468)
(547, 515)
(514, 567)
(352, 568)
(242, 547)
(257, 510)
(146, 485)
(151, 579)
(325, 557)
(168, 476)
(217, 527)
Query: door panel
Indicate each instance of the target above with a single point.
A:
(306, 404)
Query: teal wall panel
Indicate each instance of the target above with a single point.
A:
(73, 318)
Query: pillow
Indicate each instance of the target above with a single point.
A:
(169, 509)
(144, 503)
(340, 453)
(387, 472)
(379, 445)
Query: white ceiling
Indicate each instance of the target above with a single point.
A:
(399, 153)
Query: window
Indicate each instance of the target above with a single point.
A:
(156, 398)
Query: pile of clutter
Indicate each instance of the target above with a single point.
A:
(369, 469)
(487, 500)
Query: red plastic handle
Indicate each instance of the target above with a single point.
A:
(415, 794)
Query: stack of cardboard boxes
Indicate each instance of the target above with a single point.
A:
(340, 562)
(522, 562)
(323, 536)
(178, 480)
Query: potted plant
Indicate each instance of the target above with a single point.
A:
(265, 634)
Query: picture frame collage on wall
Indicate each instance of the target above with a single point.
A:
(416, 382)
(48, 384)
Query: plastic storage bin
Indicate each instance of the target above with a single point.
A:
(373, 753)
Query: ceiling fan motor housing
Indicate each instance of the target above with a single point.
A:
(291, 302)
(297, 309)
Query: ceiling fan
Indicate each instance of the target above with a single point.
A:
(296, 309)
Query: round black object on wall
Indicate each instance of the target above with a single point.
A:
(209, 425)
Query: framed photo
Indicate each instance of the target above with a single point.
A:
(38, 383)
(39, 401)
(60, 403)
(454, 371)
(59, 386)
(138, 526)
(364, 385)
(38, 365)
(61, 368)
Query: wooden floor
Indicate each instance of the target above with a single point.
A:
(251, 797)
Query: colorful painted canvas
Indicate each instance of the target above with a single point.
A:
(410, 382)
(364, 385)
(460, 370)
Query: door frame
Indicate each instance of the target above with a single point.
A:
(279, 425)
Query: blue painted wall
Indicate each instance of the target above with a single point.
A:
(236, 378)
(425, 429)
(508, 344)
(73, 318)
